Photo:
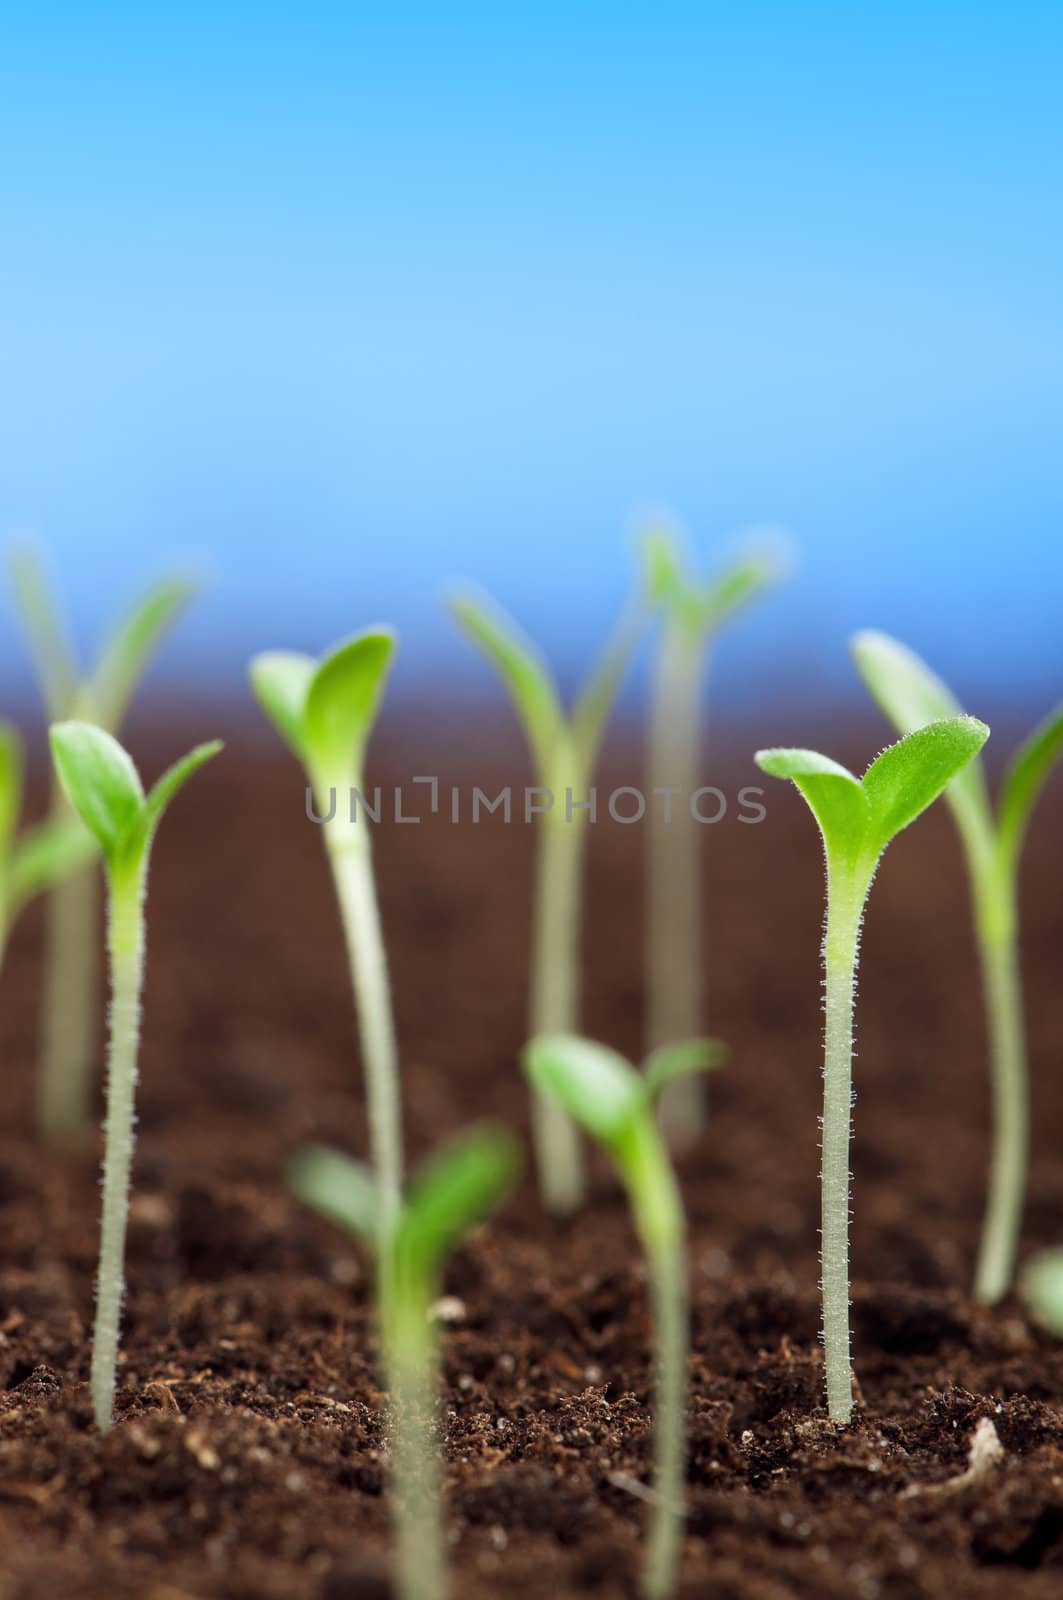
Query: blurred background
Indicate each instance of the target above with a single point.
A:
(337, 303)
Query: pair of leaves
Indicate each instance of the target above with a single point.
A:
(325, 709)
(448, 1196)
(104, 788)
(859, 816)
(44, 855)
(703, 607)
(533, 690)
(911, 695)
(106, 694)
(601, 1090)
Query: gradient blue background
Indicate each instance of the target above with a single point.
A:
(345, 301)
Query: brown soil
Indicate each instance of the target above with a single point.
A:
(248, 1460)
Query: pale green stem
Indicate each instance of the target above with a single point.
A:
(416, 1476)
(126, 947)
(845, 902)
(68, 1023)
(659, 1217)
(350, 854)
(1002, 987)
(554, 1005)
(673, 948)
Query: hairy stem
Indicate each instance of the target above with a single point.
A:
(350, 854)
(554, 1006)
(1002, 987)
(840, 948)
(416, 1486)
(126, 948)
(68, 1023)
(659, 1218)
(673, 948)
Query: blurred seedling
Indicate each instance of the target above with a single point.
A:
(71, 971)
(448, 1196)
(1041, 1287)
(38, 859)
(325, 711)
(694, 613)
(105, 791)
(617, 1106)
(911, 695)
(858, 817)
(564, 749)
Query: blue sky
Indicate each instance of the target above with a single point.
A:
(342, 302)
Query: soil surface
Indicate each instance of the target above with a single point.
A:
(248, 1460)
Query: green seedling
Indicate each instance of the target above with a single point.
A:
(857, 818)
(449, 1195)
(71, 971)
(325, 710)
(617, 1106)
(1041, 1287)
(694, 612)
(564, 749)
(105, 791)
(42, 856)
(911, 695)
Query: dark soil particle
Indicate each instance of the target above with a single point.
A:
(248, 1460)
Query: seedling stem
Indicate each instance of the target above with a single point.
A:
(846, 901)
(125, 940)
(351, 859)
(554, 1002)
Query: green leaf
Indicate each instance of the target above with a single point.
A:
(591, 711)
(672, 1061)
(909, 775)
(281, 681)
(337, 1186)
(663, 567)
(342, 701)
(595, 1085)
(1041, 1286)
(904, 687)
(127, 652)
(44, 856)
(450, 1194)
(740, 583)
(835, 797)
(49, 642)
(175, 779)
(901, 683)
(10, 784)
(1026, 777)
(100, 781)
(522, 670)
